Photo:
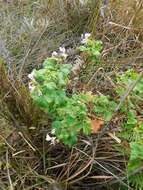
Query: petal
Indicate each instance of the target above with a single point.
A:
(87, 35)
(62, 49)
(54, 54)
(31, 75)
(48, 138)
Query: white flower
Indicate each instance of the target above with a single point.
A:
(62, 49)
(31, 75)
(54, 54)
(48, 138)
(62, 52)
(85, 37)
(53, 140)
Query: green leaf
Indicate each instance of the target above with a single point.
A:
(98, 45)
(87, 128)
(96, 53)
(136, 156)
(108, 116)
(50, 86)
(82, 48)
(49, 63)
(39, 75)
(136, 150)
(56, 124)
(131, 117)
(41, 102)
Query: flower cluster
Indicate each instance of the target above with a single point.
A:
(85, 37)
(32, 86)
(61, 53)
(52, 139)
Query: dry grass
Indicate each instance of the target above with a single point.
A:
(30, 31)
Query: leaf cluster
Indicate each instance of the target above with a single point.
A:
(104, 107)
(133, 127)
(93, 49)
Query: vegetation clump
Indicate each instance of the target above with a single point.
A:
(70, 114)
(86, 99)
(48, 90)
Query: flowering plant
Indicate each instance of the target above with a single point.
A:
(91, 47)
(48, 90)
(48, 86)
